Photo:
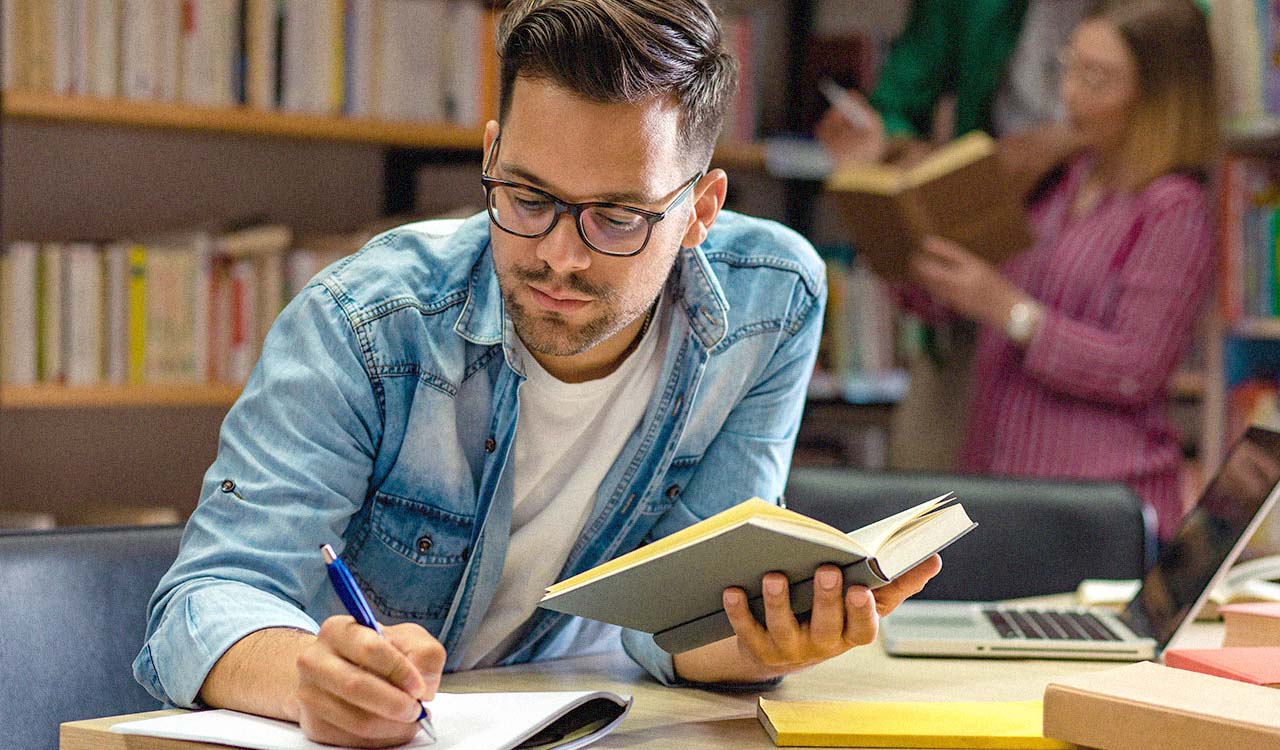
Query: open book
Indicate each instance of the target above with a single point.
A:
(957, 192)
(672, 587)
(463, 721)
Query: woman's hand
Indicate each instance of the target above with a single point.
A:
(849, 143)
(965, 283)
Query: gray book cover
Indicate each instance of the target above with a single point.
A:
(677, 595)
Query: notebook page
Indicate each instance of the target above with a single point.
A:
(463, 721)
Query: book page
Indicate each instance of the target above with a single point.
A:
(921, 538)
(872, 537)
(966, 149)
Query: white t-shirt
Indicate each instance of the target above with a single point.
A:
(568, 435)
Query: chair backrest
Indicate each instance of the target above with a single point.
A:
(71, 622)
(1034, 536)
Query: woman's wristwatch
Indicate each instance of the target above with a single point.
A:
(1024, 319)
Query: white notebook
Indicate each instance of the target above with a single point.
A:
(463, 721)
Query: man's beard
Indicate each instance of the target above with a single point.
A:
(549, 333)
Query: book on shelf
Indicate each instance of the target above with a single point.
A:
(918, 725)
(1255, 665)
(673, 587)
(742, 37)
(49, 286)
(82, 313)
(19, 313)
(1146, 705)
(1252, 624)
(957, 192)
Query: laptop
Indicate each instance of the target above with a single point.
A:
(1206, 544)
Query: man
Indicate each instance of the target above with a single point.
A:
(471, 417)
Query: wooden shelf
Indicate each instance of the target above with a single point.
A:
(116, 397)
(1259, 138)
(30, 105)
(1257, 328)
(739, 156)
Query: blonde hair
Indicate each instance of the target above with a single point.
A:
(1174, 123)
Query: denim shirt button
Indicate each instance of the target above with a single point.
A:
(673, 490)
(424, 543)
(228, 486)
(490, 445)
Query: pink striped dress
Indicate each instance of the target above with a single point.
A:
(1122, 287)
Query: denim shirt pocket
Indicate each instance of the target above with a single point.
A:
(410, 558)
(673, 484)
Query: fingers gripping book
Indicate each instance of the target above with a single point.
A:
(673, 586)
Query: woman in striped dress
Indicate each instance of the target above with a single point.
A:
(1081, 334)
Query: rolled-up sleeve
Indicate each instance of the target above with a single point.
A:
(295, 456)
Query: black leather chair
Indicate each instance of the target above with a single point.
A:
(72, 617)
(1034, 536)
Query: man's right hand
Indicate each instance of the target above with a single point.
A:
(359, 689)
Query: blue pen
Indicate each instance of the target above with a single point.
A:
(353, 599)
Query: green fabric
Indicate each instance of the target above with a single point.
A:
(947, 46)
(950, 46)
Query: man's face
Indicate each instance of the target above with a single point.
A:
(563, 297)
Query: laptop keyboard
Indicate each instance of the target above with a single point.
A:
(1048, 625)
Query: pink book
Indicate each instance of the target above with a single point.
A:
(1256, 665)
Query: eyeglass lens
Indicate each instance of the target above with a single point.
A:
(609, 229)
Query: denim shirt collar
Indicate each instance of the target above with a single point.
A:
(483, 318)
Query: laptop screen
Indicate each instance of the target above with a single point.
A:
(1211, 534)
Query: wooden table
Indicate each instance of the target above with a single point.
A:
(695, 719)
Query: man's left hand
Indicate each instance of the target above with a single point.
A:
(840, 620)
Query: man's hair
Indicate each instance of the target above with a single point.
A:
(1174, 126)
(624, 52)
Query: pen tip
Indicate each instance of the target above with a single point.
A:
(328, 553)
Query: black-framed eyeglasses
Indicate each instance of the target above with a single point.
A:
(607, 228)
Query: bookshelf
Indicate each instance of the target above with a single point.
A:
(1245, 344)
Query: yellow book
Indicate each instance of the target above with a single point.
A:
(915, 725)
(337, 74)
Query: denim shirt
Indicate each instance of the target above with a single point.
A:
(380, 419)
